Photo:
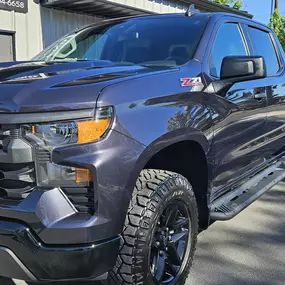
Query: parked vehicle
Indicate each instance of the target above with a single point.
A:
(124, 139)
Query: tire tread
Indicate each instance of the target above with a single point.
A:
(150, 188)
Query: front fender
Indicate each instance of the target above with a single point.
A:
(155, 108)
(179, 135)
(156, 112)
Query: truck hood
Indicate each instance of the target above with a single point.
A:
(60, 86)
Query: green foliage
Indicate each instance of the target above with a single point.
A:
(277, 24)
(232, 3)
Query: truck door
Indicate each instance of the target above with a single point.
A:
(240, 114)
(275, 82)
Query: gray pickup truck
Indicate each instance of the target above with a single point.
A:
(124, 139)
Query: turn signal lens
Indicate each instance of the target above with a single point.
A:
(92, 130)
(89, 131)
(83, 175)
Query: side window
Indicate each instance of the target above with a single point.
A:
(229, 41)
(263, 46)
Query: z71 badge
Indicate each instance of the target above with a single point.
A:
(189, 82)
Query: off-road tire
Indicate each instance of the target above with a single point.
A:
(153, 191)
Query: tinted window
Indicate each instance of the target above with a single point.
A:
(150, 41)
(228, 42)
(263, 46)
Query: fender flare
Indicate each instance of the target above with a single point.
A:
(168, 139)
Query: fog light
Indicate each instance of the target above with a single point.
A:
(50, 174)
(83, 175)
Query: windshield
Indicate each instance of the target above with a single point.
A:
(144, 41)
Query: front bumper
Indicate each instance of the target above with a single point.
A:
(43, 236)
(24, 256)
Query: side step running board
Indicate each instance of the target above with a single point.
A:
(233, 202)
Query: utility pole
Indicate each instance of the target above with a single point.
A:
(276, 7)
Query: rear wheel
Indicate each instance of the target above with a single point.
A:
(160, 233)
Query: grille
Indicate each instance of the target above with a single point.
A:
(43, 155)
(17, 181)
(6, 135)
(82, 198)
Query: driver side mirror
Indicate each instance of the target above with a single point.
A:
(242, 68)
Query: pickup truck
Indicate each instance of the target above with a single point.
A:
(126, 138)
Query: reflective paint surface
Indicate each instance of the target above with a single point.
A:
(239, 131)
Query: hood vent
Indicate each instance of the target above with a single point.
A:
(92, 80)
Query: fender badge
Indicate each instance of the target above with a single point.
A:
(190, 82)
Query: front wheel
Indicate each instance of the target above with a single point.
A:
(160, 233)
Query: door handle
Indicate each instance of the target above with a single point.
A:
(259, 96)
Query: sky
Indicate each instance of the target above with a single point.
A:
(261, 9)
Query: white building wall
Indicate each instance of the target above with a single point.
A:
(39, 27)
(27, 30)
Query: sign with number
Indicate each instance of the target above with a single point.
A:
(20, 6)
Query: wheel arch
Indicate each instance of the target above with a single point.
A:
(171, 152)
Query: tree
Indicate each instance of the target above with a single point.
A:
(237, 4)
(277, 24)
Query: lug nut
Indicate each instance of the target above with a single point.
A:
(171, 232)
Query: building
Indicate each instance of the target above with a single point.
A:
(28, 26)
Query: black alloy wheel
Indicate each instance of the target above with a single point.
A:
(170, 243)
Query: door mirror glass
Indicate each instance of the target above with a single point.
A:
(243, 68)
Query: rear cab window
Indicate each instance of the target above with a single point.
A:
(263, 45)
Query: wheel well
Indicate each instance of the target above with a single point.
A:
(188, 159)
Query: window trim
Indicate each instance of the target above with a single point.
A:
(244, 38)
(274, 44)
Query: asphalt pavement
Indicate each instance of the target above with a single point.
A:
(249, 249)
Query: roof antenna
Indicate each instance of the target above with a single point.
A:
(191, 11)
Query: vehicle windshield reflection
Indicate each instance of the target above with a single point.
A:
(132, 42)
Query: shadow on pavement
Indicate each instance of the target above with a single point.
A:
(246, 250)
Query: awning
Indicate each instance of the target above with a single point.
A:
(96, 7)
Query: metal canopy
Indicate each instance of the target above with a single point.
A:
(96, 7)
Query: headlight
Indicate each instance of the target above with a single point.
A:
(48, 136)
(63, 133)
